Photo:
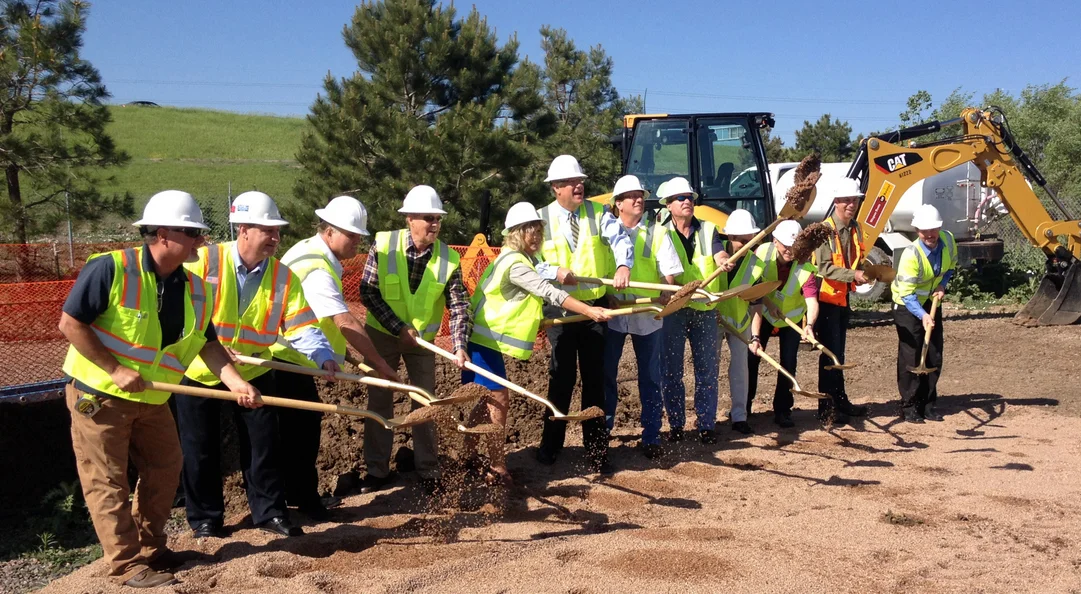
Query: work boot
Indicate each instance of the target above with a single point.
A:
(784, 420)
(675, 434)
(843, 404)
(828, 413)
(930, 414)
(148, 578)
(743, 427)
(909, 415)
(707, 436)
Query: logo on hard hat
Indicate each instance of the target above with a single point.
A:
(241, 208)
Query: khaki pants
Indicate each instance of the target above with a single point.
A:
(378, 441)
(131, 532)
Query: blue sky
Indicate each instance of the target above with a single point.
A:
(858, 61)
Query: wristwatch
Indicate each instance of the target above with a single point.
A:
(755, 339)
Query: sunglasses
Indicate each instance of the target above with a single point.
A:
(681, 197)
(431, 219)
(191, 232)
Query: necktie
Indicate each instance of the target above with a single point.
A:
(574, 231)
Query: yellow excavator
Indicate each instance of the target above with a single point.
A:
(723, 156)
(886, 169)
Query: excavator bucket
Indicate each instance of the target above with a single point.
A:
(1057, 301)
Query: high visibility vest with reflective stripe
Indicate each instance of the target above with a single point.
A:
(914, 271)
(592, 254)
(277, 306)
(508, 326)
(789, 298)
(737, 312)
(305, 258)
(647, 242)
(131, 331)
(701, 263)
(423, 310)
(836, 292)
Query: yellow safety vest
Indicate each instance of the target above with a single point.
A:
(737, 312)
(789, 298)
(278, 306)
(914, 271)
(836, 292)
(423, 310)
(508, 326)
(701, 263)
(647, 242)
(304, 258)
(591, 256)
(131, 331)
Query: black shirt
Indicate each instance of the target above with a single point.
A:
(89, 298)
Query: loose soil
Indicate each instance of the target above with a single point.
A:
(989, 500)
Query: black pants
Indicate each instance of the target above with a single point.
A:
(782, 394)
(578, 346)
(831, 329)
(917, 390)
(201, 439)
(300, 433)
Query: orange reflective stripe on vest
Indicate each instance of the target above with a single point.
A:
(836, 292)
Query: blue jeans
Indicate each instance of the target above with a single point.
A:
(647, 351)
(700, 327)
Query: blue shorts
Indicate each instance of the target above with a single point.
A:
(488, 360)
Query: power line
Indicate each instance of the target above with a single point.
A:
(778, 99)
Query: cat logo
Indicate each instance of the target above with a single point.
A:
(897, 161)
(875, 214)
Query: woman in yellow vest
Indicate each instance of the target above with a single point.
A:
(136, 315)
(655, 261)
(923, 271)
(507, 310)
(736, 313)
(798, 296)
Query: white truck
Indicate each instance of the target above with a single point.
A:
(956, 193)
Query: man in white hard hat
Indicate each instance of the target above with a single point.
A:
(256, 298)
(797, 297)
(838, 263)
(133, 316)
(580, 238)
(736, 314)
(317, 262)
(700, 251)
(410, 277)
(655, 261)
(923, 271)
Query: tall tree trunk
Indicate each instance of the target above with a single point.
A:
(17, 212)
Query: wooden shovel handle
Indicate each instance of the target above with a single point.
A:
(631, 284)
(271, 400)
(626, 311)
(425, 397)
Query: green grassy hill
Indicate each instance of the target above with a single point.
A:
(202, 152)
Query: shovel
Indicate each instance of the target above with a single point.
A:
(681, 294)
(818, 345)
(624, 311)
(745, 292)
(584, 415)
(417, 417)
(879, 272)
(773, 362)
(923, 369)
(419, 394)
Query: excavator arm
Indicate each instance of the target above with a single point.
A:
(887, 169)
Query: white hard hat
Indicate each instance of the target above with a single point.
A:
(345, 212)
(422, 200)
(675, 187)
(255, 208)
(740, 222)
(786, 232)
(926, 218)
(520, 214)
(172, 208)
(628, 183)
(847, 187)
(564, 167)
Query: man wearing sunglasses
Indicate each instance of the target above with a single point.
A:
(136, 315)
(580, 238)
(256, 298)
(410, 277)
(317, 262)
(838, 260)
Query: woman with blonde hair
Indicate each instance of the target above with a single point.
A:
(507, 311)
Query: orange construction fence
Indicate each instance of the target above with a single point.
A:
(31, 346)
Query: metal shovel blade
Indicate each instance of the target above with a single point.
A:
(760, 290)
(679, 299)
(816, 395)
(586, 414)
(417, 417)
(841, 366)
(466, 393)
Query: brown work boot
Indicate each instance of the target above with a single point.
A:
(148, 578)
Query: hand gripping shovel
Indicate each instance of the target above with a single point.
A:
(417, 417)
(773, 362)
(419, 394)
(818, 345)
(584, 415)
(624, 311)
(923, 369)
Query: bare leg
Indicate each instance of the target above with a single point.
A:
(498, 404)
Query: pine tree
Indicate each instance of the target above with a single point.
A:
(436, 100)
(52, 120)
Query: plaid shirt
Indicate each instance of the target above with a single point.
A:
(461, 322)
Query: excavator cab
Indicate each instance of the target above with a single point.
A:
(720, 154)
